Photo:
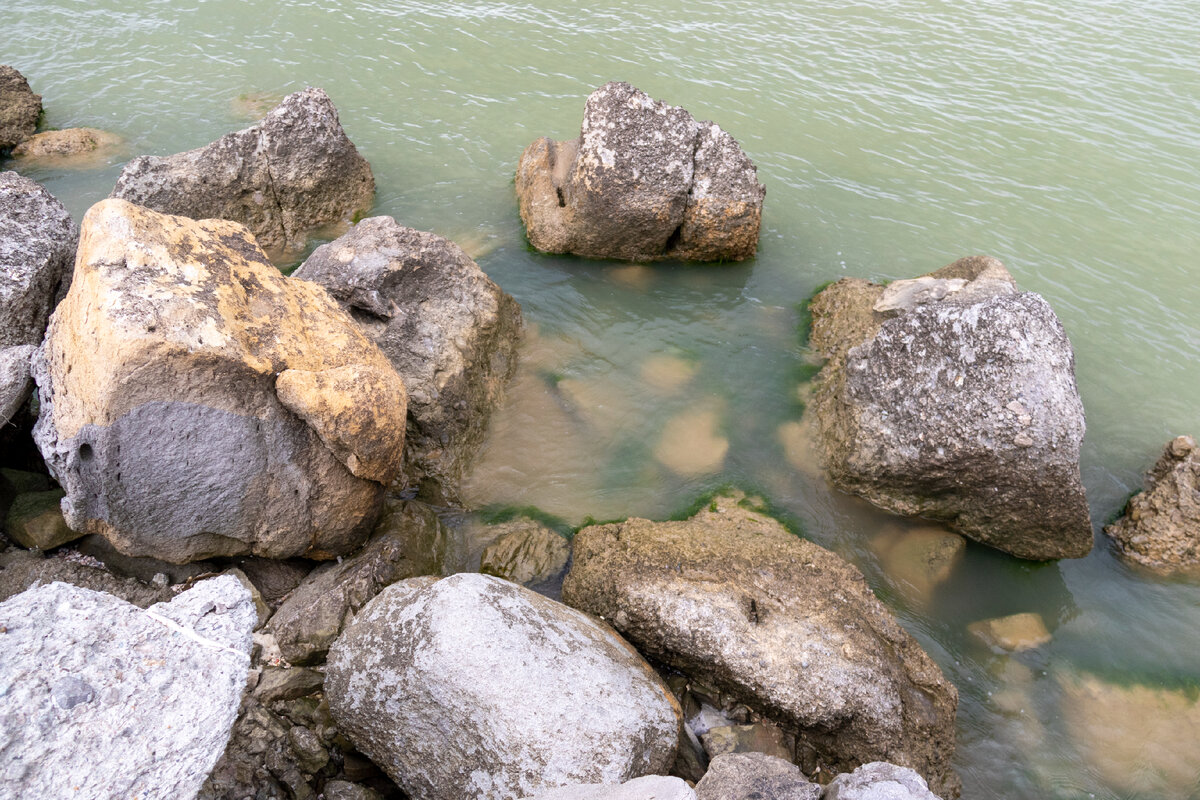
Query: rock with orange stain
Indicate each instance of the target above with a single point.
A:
(197, 403)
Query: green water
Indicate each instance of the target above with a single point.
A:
(893, 137)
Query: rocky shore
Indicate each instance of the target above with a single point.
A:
(237, 569)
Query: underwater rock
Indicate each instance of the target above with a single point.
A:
(472, 686)
(20, 108)
(294, 171)
(1161, 525)
(104, 699)
(197, 403)
(644, 181)
(917, 559)
(754, 776)
(450, 332)
(879, 781)
(956, 401)
(409, 541)
(691, 444)
(732, 599)
(72, 147)
(1013, 634)
(525, 551)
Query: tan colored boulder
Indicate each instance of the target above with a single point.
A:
(71, 147)
(691, 443)
(35, 521)
(1014, 633)
(197, 403)
(1161, 525)
(734, 600)
(918, 558)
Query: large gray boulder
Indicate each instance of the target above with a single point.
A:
(1160, 528)
(409, 541)
(37, 247)
(472, 686)
(197, 403)
(20, 108)
(106, 700)
(878, 780)
(754, 776)
(644, 181)
(735, 601)
(952, 397)
(450, 332)
(648, 787)
(293, 171)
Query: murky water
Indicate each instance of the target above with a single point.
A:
(892, 137)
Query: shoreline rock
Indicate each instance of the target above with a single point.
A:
(20, 108)
(1160, 529)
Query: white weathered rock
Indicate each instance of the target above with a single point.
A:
(754, 776)
(472, 686)
(879, 780)
(649, 787)
(101, 699)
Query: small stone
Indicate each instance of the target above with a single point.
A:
(310, 754)
(345, 790)
(1014, 634)
(287, 683)
(526, 552)
(71, 691)
(760, 737)
(36, 521)
(755, 776)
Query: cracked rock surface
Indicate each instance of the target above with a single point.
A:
(644, 181)
(197, 403)
(952, 397)
(293, 171)
(101, 699)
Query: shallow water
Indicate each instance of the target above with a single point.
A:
(893, 137)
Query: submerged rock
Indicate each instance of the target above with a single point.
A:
(691, 443)
(409, 541)
(917, 559)
(1014, 633)
(449, 331)
(104, 699)
(72, 147)
(754, 776)
(731, 598)
(197, 403)
(953, 397)
(37, 245)
(879, 781)
(20, 108)
(472, 686)
(294, 171)
(525, 551)
(643, 181)
(1161, 525)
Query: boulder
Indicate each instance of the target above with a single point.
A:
(952, 397)
(77, 147)
(1161, 525)
(732, 599)
(197, 403)
(20, 108)
(644, 181)
(754, 776)
(450, 332)
(104, 699)
(294, 171)
(409, 541)
(35, 521)
(472, 686)
(648, 787)
(879, 780)
(525, 551)
(37, 244)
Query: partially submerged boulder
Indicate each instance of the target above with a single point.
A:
(731, 598)
(37, 245)
(472, 686)
(294, 171)
(525, 551)
(952, 397)
(450, 332)
(644, 181)
(104, 699)
(20, 108)
(1161, 525)
(197, 403)
(70, 147)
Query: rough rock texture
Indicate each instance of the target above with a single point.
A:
(294, 171)
(1161, 526)
(104, 699)
(731, 598)
(22, 569)
(472, 686)
(879, 781)
(37, 244)
(525, 551)
(449, 331)
(20, 108)
(197, 403)
(643, 181)
(409, 541)
(952, 397)
(70, 147)
(648, 787)
(754, 776)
